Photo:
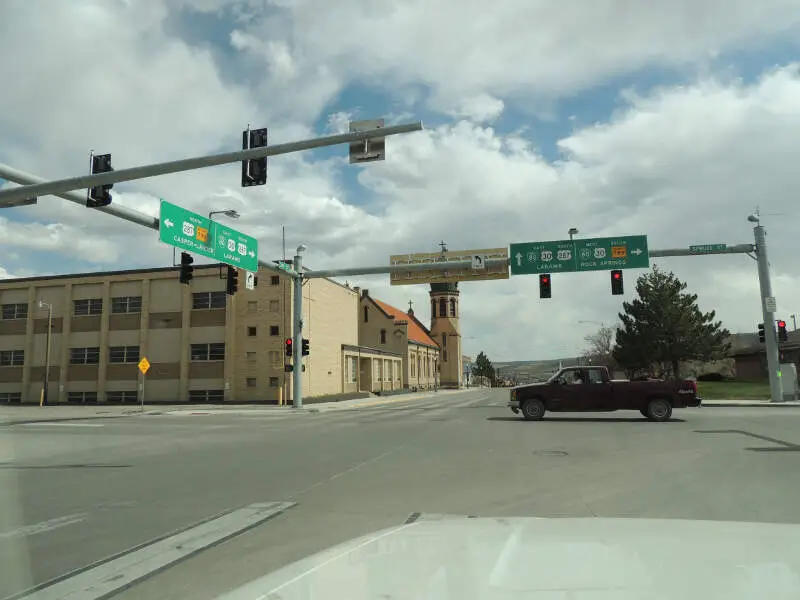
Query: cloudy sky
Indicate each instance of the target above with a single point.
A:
(671, 119)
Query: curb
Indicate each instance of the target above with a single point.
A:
(61, 419)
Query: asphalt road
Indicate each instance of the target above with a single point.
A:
(77, 492)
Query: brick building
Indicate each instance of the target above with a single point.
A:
(203, 345)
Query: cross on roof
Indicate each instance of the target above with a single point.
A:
(443, 245)
(410, 305)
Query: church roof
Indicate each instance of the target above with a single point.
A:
(416, 331)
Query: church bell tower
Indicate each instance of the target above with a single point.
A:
(446, 331)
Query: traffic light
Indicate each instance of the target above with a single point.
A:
(186, 267)
(254, 171)
(782, 334)
(305, 348)
(289, 347)
(100, 196)
(762, 336)
(233, 281)
(617, 285)
(544, 286)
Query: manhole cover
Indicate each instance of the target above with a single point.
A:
(550, 453)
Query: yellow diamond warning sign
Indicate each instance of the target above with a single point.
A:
(144, 365)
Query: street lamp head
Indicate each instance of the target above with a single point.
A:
(232, 214)
(301, 248)
(753, 218)
(573, 231)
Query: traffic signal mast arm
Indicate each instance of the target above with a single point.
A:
(190, 164)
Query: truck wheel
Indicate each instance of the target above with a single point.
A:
(658, 410)
(533, 410)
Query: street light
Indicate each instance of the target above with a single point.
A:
(43, 304)
(572, 231)
(228, 213)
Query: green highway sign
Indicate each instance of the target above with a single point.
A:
(189, 231)
(705, 248)
(594, 254)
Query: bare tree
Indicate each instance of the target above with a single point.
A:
(601, 346)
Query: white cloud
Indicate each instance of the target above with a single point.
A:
(683, 165)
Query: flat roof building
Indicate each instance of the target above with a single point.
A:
(202, 344)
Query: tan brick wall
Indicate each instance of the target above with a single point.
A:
(369, 334)
(330, 319)
(451, 358)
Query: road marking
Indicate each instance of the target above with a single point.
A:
(44, 526)
(62, 424)
(106, 578)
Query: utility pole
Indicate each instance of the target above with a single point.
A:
(297, 331)
(794, 322)
(45, 388)
(767, 310)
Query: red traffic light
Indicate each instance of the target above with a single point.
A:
(781, 324)
(288, 341)
(617, 275)
(545, 279)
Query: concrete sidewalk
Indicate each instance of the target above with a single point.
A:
(11, 415)
(732, 402)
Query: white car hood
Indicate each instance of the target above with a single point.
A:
(548, 559)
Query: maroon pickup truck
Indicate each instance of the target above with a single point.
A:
(590, 389)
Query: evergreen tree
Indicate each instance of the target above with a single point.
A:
(665, 325)
(483, 367)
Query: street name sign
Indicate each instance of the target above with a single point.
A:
(484, 272)
(192, 232)
(706, 248)
(592, 254)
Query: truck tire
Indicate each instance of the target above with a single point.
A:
(533, 410)
(658, 409)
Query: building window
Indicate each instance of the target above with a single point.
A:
(82, 397)
(252, 306)
(121, 397)
(366, 314)
(452, 307)
(444, 354)
(205, 300)
(251, 332)
(207, 396)
(275, 358)
(274, 305)
(90, 306)
(251, 382)
(383, 336)
(273, 382)
(10, 397)
(352, 371)
(444, 340)
(126, 304)
(84, 356)
(275, 279)
(251, 357)
(433, 309)
(12, 358)
(123, 354)
(274, 330)
(442, 307)
(412, 363)
(15, 311)
(214, 351)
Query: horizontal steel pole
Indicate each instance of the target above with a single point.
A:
(465, 264)
(115, 210)
(201, 162)
(434, 266)
(738, 249)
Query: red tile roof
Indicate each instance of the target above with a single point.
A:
(416, 333)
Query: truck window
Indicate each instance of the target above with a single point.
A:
(595, 376)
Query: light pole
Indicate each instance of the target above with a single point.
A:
(572, 232)
(43, 304)
(767, 308)
(297, 338)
